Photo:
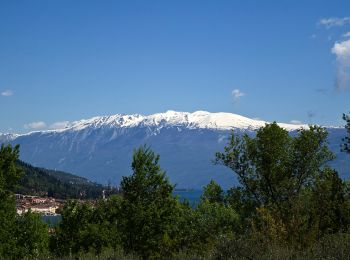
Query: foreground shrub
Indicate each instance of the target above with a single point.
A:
(336, 246)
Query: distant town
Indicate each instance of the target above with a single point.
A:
(42, 205)
(46, 206)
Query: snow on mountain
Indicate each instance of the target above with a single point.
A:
(101, 148)
(7, 137)
(198, 119)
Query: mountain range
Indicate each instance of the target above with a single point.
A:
(101, 148)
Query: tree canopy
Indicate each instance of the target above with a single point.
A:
(346, 140)
(149, 208)
(280, 175)
(20, 236)
(10, 173)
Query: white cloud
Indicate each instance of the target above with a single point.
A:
(334, 21)
(7, 93)
(59, 125)
(342, 53)
(346, 34)
(295, 122)
(237, 94)
(35, 125)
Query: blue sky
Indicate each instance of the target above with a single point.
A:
(274, 60)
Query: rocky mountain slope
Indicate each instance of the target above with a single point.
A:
(101, 148)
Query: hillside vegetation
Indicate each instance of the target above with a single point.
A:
(57, 184)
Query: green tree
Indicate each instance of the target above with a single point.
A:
(243, 203)
(9, 172)
(20, 236)
(107, 215)
(86, 228)
(214, 218)
(330, 198)
(7, 225)
(71, 235)
(346, 145)
(9, 176)
(213, 193)
(32, 236)
(149, 210)
(276, 170)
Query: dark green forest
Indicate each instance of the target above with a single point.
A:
(57, 184)
(289, 205)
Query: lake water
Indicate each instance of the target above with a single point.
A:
(52, 221)
(193, 196)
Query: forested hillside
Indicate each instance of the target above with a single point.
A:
(58, 184)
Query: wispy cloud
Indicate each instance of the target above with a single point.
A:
(342, 52)
(334, 21)
(237, 94)
(295, 122)
(7, 93)
(347, 34)
(35, 125)
(323, 91)
(59, 125)
(311, 114)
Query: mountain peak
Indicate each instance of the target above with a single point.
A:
(101, 147)
(197, 119)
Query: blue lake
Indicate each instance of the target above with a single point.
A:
(193, 196)
(52, 221)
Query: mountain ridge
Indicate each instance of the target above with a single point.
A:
(198, 119)
(101, 148)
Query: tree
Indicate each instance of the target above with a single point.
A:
(9, 172)
(330, 197)
(346, 145)
(213, 193)
(70, 237)
(20, 236)
(9, 175)
(32, 236)
(242, 202)
(215, 218)
(107, 215)
(276, 170)
(87, 228)
(7, 225)
(149, 209)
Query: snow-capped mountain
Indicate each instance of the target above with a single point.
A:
(7, 137)
(196, 120)
(101, 148)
